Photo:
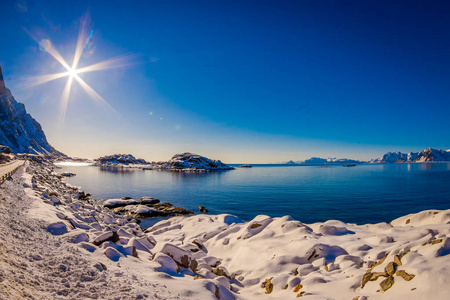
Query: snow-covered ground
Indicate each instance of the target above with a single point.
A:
(48, 230)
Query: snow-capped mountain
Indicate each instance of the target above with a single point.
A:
(325, 161)
(18, 130)
(427, 155)
(190, 161)
(124, 159)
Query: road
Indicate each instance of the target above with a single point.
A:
(6, 169)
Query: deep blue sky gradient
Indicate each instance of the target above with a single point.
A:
(312, 77)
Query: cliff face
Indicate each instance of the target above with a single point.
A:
(18, 130)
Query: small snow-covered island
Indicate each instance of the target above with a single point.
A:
(183, 162)
(57, 242)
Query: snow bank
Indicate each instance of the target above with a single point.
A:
(211, 256)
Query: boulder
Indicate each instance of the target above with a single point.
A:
(113, 203)
(57, 228)
(149, 201)
(387, 283)
(112, 254)
(80, 238)
(202, 209)
(107, 236)
(181, 257)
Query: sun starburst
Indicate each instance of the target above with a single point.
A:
(72, 72)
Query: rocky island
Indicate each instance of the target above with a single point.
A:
(189, 162)
(183, 162)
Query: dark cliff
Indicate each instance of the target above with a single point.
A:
(18, 129)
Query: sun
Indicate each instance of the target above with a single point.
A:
(73, 72)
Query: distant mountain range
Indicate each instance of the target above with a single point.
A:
(18, 130)
(325, 161)
(427, 155)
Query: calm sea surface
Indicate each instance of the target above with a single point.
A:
(361, 194)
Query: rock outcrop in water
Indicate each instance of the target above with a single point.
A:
(18, 130)
(147, 207)
(119, 159)
(190, 162)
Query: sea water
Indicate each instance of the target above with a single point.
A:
(362, 194)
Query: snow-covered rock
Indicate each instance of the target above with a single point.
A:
(57, 228)
(124, 159)
(113, 203)
(427, 155)
(189, 161)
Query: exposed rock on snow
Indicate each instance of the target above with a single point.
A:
(113, 203)
(117, 160)
(18, 130)
(57, 228)
(284, 258)
(147, 207)
(38, 264)
(189, 162)
(209, 257)
(427, 155)
(325, 161)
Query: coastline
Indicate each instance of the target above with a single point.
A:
(208, 256)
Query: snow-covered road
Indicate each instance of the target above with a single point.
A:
(6, 169)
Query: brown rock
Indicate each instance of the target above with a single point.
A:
(269, 286)
(202, 209)
(374, 264)
(391, 268)
(434, 242)
(297, 288)
(377, 275)
(387, 283)
(366, 278)
(255, 225)
(397, 260)
(221, 271)
(405, 275)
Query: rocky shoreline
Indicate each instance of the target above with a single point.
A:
(56, 243)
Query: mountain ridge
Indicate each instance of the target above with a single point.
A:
(18, 129)
(427, 155)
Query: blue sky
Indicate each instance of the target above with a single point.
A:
(241, 81)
